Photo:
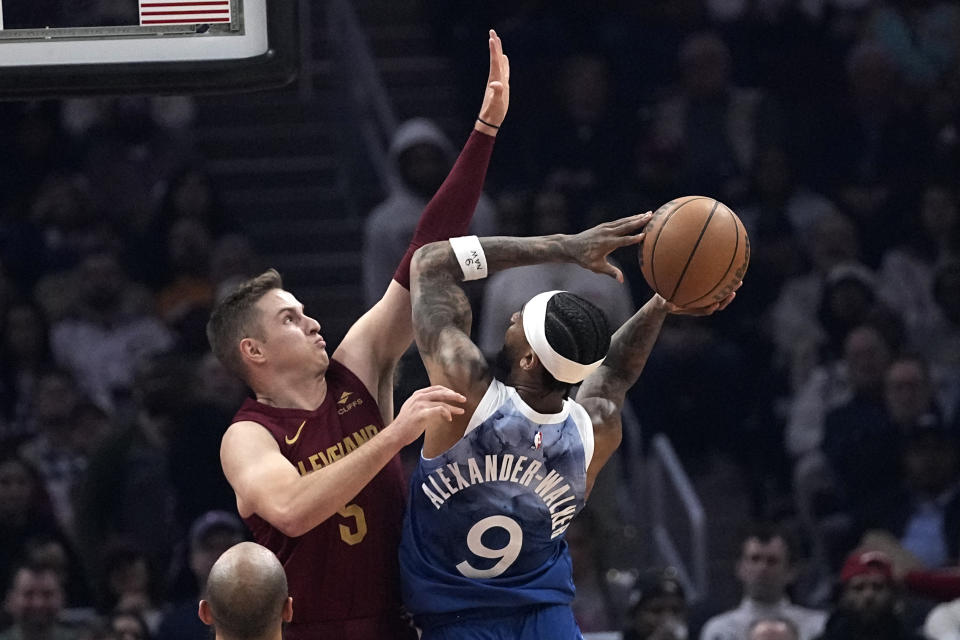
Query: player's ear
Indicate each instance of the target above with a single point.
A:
(529, 359)
(288, 610)
(250, 349)
(203, 612)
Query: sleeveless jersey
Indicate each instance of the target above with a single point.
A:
(342, 574)
(484, 528)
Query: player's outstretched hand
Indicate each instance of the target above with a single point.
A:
(702, 311)
(496, 96)
(591, 248)
(426, 407)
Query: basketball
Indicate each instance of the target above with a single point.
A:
(695, 251)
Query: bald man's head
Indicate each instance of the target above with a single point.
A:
(773, 629)
(246, 596)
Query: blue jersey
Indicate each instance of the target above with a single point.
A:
(484, 528)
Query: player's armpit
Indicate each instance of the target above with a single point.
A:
(375, 342)
(607, 435)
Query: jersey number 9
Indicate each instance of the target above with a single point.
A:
(505, 555)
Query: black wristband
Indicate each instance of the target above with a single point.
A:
(492, 126)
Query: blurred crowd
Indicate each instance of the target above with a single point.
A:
(832, 127)
(113, 246)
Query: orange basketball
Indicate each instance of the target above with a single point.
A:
(695, 251)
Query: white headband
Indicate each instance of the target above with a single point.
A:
(564, 370)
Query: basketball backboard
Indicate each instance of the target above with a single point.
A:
(52, 48)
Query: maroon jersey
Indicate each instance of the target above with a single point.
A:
(343, 574)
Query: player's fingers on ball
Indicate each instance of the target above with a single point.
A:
(726, 301)
(637, 219)
(636, 238)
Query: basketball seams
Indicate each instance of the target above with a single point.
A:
(693, 251)
(653, 250)
(736, 248)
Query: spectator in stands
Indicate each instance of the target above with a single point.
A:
(658, 608)
(67, 222)
(592, 605)
(56, 551)
(34, 600)
(420, 157)
(25, 511)
(232, 261)
(193, 456)
(874, 145)
(25, 353)
(56, 451)
(127, 583)
(943, 622)
(867, 601)
(185, 300)
(919, 37)
(847, 301)
(128, 492)
(104, 340)
(906, 275)
(924, 511)
(246, 596)
(128, 154)
(797, 334)
(765, 569)
(210, 536)
(129, 625)
(189, 195)
(593, 156)
(780, 219)
(942, 346)
(860, 442)
(710, 127)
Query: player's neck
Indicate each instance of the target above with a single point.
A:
(294, 393)
(539, 399)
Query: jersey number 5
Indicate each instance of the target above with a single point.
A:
(349, 536)
(506, 554)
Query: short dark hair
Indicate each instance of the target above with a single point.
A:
(30, 565)
(576, 329)
(234, 319)
(766, 532)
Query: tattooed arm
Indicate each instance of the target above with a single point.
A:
(604, 392)
(442, 316)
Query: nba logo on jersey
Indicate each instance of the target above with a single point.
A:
(538, 440)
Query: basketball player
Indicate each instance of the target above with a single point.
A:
(246, 595)
(483, 554)
(314, 468)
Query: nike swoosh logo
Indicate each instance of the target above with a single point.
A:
(294, 438)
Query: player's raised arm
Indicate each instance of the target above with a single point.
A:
(376, 341)
(442, 316)
(603, 392)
